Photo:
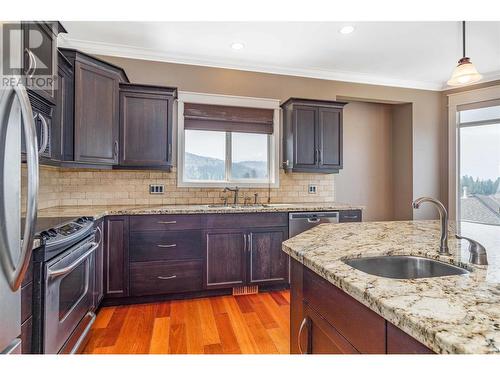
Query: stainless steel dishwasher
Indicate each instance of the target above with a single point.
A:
(299, 222)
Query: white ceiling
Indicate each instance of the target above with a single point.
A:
(405, 54)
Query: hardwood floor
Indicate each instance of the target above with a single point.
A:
(251, 324)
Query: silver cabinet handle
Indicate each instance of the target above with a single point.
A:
(45, 140)
(98, 229)
(319, 156)
(116, 149)
(167, 246)
(14, 273)
(245, 247)
(72, 266)
(167, 222)
(166, 277)
(299, 335)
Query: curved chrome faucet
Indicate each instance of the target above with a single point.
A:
(443, 214)
(477, 251)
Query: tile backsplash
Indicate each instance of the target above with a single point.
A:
(76, 187)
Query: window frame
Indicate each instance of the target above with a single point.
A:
(479, 98)
(273, 148)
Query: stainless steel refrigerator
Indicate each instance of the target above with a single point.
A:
(16, 243)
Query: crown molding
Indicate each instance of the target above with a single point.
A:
(118, 50)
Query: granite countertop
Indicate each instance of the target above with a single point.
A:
(100, 211)
(452, 314)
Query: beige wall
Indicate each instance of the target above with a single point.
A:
(426, 117)
(367, 175)
(402, 160)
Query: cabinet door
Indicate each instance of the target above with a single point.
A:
(99, 265)
(116, 256)
(329, 138)
(225, 258)
(321, 337)
(96, 114)
(268, 264)
(145, 129)
(304, 134)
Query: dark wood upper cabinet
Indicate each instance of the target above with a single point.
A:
(225, 258)
(96, 108)
(62, 125)
(146, 126)
(312, 135)
(268, 263)
(40, 56)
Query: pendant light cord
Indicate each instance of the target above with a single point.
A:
(463, 37)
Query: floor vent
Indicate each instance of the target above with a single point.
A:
(242, 290)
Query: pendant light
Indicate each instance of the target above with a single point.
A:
(465, 73)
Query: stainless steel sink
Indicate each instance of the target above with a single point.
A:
(404, 267)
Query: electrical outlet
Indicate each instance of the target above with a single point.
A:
(156, 189)
(312, 189)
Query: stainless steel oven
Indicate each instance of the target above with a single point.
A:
(68, 301)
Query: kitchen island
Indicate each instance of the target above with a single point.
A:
(451, 314)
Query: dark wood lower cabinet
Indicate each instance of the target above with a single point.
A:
(161, 277)
(321, 337)
(225, 258)
(326, 320)
(116, 260)
(268, 263)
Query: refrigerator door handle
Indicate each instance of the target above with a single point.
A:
(15, 272)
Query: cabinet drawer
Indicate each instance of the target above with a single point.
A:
(148, 278)
(165, 222)
(350, 216)
(159, 245)
(247, 220)
(362, 327)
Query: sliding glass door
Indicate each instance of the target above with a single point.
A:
(479, 165)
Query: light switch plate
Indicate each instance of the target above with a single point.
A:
(156, 189)
(312, 189)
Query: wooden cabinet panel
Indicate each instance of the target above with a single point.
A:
(149, 278)
(296, 304)
(399, 342)
(63, 125)
(225, 258)
(26, 301)
(362, 327)
(329, 138)
(321, 337)
(146, 125)
(268, 263)
(247, 220)
(99, 265)
(304, 130)
(27, 336)
(116, 256)
(165, 222)
(165, 245)
(96, 114)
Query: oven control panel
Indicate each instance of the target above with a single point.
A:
(68, 232)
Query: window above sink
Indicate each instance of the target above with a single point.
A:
(227, 141)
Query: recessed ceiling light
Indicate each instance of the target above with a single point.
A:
(237, 45)
(346, 29)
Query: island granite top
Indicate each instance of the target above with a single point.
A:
(452, 314)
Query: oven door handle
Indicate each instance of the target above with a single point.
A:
(65, 270)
